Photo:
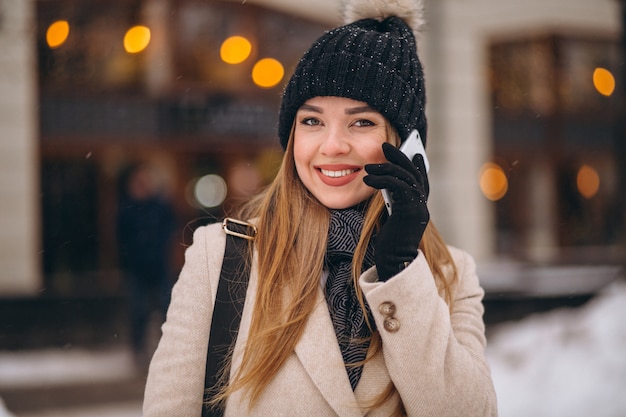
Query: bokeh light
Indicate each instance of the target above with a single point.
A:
(210, 190)
(587, 181)
(136, 39)
(57, 33)
(267, 73)
(493, 181)
(235, 50)
(603, 81)
(244, 179)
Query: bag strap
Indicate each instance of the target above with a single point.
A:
(228, 308)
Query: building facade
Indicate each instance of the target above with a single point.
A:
(513, 115)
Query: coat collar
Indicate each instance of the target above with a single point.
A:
(320, 355)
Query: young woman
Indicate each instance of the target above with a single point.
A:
(349, 311)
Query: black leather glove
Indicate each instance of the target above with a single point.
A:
(399, 238)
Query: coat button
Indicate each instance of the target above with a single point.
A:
(391, 325)
(387, 309)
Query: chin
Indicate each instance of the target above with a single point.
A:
(340, 204)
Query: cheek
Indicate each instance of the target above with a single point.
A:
(380, 156)
(301, 155)
(374, 153)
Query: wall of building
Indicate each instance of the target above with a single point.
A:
(325, 11)
(460, 140)
(19, 207)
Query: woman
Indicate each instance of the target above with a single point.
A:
(349, 311)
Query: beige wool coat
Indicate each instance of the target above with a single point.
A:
(436, 359)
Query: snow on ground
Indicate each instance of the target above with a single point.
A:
(568, 362)
(68, 366)
(130, 409)
(58, 366)
(3, 410)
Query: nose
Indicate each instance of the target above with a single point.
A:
(335, 142)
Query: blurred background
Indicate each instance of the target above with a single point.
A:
(526, 110)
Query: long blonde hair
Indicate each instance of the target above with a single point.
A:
(291, 245)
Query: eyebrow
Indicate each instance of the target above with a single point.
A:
(352, 110)
(357, 110)
(308, 107)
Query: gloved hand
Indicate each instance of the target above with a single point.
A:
(400, 236)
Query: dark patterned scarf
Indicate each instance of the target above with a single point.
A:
(345, 310)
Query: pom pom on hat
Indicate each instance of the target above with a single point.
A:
(411, 11)
(373, 60)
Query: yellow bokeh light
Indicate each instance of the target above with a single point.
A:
(587, 181)
(57, 33)
(603, 81)
(267, 73)
(235, 50)
(493, 181)
(136, 39)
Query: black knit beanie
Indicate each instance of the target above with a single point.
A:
(370, 60)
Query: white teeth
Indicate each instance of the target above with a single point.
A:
(337, 174)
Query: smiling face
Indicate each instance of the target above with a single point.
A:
(334, 138)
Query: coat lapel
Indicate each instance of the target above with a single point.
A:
(319, 353)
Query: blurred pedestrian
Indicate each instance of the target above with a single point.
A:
(350, 311)
(145, 226)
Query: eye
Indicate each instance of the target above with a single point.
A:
(310, 121)
(364, 123)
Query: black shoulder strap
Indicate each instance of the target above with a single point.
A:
(228, 308)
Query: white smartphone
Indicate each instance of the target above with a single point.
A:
(410, 147)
